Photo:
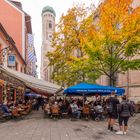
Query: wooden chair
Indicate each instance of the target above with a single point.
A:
(15, 114)
(29, 109)
(47, 111)
(55, 112)
(86, 112)
(64, 114)
(23, 112)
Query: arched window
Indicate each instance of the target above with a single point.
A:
(50, 25)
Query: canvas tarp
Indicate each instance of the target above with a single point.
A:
(92, 89)
(31, 82)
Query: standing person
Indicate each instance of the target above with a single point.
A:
(125, 110)
(112, 103)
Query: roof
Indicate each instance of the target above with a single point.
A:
(17, 4)
(28, 23)
(48, 9)
(35, 84)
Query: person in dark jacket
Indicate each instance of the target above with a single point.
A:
(5, 109)
(124, 110)
(112, 112)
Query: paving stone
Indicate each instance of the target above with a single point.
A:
(35, 127)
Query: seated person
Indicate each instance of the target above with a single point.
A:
(34, 104)
(47, 108)
(86, 108)
(98, 108)
(64, 108)
(28, 106)
(75, 109)
(18, 108)
(55, 108)
(10, 104)
(5, 109)
(15, 112)
(98, 112)
(23, 105)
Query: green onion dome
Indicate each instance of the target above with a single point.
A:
(48, 9)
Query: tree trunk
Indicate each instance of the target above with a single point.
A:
(112, 79)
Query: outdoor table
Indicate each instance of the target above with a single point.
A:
(20, 109)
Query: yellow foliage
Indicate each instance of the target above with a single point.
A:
(95, 35)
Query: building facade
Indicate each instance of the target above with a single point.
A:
(31, 67)
(9, 54)
(136, 3)
(14, 23)
(31, 59)
(10, 57)
(18, 25)
(48, 27)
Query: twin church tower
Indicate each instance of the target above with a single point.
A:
(48, 27)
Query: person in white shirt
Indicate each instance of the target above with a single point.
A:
(75, 109)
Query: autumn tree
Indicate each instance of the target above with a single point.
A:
(112, 38)
(70, 62)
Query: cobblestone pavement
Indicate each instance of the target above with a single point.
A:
(35, 127)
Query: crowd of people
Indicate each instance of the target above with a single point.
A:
(16, 109)
(75, 108)
(100, 108)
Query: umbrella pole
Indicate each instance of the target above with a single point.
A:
(83, 99)
(65, 98)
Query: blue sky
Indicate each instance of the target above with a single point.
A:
(34, 9)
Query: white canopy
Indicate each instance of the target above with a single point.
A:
(32, 82)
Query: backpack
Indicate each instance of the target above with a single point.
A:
(109, 107)
(126, 109)
(125, 106)
(99, 109)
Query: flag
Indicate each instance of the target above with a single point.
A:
(30, 49)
